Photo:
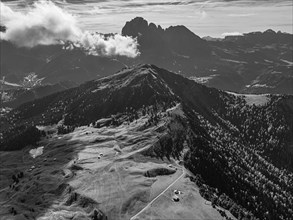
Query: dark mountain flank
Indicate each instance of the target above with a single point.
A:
(239, 147)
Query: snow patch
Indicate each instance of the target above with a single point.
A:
(235, 61)
(204, 79)
(4, 111)
(253, 99)
(268, 61)
(36, 152)
(176, 110)
(9, 84)
(287, 62)
(261, 86)
(100, 88)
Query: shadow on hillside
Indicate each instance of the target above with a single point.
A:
(43, 188)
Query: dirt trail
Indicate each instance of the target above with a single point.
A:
(151, 202)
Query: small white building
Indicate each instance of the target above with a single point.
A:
(175, 198)
(177, 192)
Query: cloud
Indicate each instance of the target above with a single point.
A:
(47, 24)
(241, 15)
(99, 44)
(201, 12)
(232, 34)
(44, 24)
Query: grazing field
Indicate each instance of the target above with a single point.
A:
(98, 172)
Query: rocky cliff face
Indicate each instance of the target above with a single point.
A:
(175, 39)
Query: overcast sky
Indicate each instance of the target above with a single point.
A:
(213, 18)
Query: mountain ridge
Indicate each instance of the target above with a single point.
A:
(238, 147)
(258, 62)
(122, 91)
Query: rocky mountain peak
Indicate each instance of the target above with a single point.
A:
(175, 39)
(136, 26)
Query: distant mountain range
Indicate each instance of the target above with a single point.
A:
(253, 63)
(240, 145)
(258, 62)
(16, 95)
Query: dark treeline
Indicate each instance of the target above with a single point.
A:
(21, 138)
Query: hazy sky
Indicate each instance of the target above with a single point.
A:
(213, 18)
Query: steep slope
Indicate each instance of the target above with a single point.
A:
(238, 147)
(17, 95)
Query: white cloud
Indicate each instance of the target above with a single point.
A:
(98, 44)
(241, 15)
(232, 34)
(46, 24)
(202, 13)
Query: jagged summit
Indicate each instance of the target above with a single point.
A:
(175, 39)
(139, 25)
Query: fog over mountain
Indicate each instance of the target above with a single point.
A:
(47, 24)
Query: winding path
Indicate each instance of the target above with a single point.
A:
(151, 202)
